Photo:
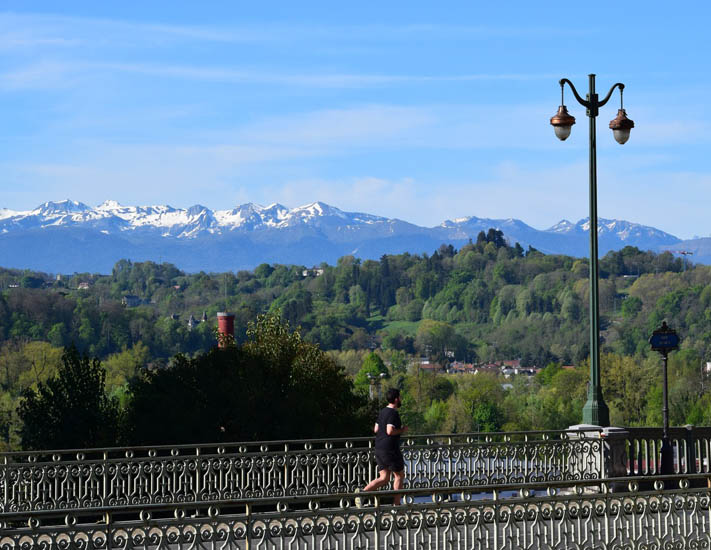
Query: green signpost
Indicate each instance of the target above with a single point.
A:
(664, 340)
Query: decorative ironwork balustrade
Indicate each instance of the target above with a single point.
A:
(116, 477)
(673, 512)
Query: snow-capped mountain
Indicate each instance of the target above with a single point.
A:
(71, 236)
(623, 230)
(177, 222)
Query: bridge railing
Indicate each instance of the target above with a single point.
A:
(670, 511)
(691, 447)
(95, 478)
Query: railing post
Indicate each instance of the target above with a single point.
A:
(248, 523)
(197, 479)
(495, 498)
(614, 448)
(371, 473)
(287, 481)
(376, 514)
(197, 474)
(104, 495)
(6, 488)
(690, 450)
(633, 456)
(109, 522)
(586, 468)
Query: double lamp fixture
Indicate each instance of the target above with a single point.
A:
(563, 121)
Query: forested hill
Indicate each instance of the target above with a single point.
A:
(486, 301)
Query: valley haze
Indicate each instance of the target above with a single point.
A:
(69, 236)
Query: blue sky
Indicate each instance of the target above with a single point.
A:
(418, 110)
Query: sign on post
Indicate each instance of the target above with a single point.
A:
(664, 339)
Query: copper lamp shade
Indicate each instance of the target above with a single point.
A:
(621, 126)
(562, 123)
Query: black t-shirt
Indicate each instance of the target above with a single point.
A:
(383, 441)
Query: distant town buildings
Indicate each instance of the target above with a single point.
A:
(506, 368)
(192, 322)
(313, 272)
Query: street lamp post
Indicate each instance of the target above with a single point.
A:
(595, 410)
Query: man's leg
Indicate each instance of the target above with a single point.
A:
(398, 484)
(380, 481)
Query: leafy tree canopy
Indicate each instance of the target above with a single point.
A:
(71, 409)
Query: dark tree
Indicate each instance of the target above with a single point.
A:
(496, 236)
(204, 399)
(276, 386)
(70, 410)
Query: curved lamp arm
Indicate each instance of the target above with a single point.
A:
(583, 102)
(607, 97)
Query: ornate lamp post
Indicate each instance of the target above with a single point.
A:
(595, 410)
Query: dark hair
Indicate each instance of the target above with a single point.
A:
(392, 394)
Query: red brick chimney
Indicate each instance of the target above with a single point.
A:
(225, 328)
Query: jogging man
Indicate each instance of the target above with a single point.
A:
(388, 456)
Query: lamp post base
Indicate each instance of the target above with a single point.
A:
(595, 411)
(667, 465)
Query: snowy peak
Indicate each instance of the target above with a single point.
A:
(60, 208)
(254, 234)
(7, 213)
(111, 216)
(314, 213)
(196, 210)
(274, 215)
(314, 219)
(471, 223)
(109, 205)
(563, 226)
(250, 216)
(623, 230)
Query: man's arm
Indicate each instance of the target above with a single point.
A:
(375, 429)
(392, 430)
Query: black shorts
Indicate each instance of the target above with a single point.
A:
(389, 460)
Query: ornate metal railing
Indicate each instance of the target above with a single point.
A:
(672, 512)
(116, 477)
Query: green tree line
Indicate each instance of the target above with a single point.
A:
(487, 301)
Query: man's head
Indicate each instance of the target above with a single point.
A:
(393, 397)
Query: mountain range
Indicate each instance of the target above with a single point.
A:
(69, 236)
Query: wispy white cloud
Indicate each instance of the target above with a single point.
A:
(35, 29)
(32, 30)
(62, 73)
(43, 75)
